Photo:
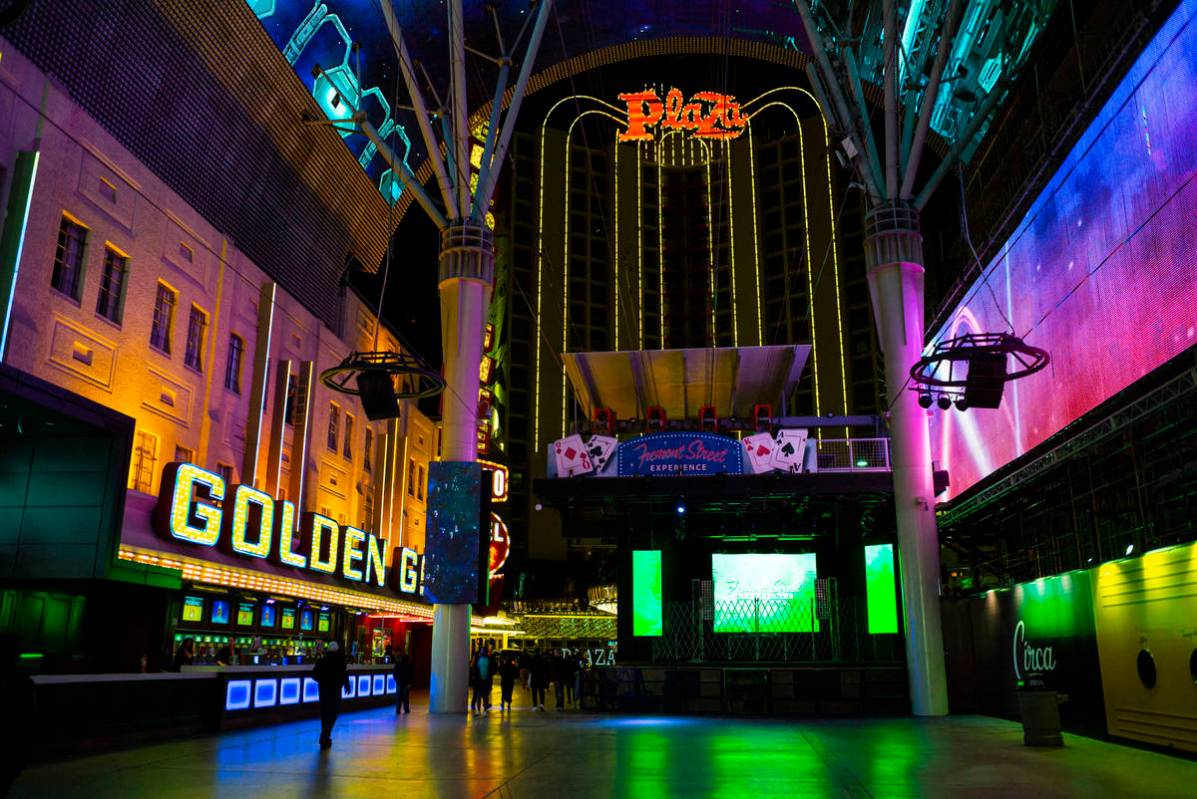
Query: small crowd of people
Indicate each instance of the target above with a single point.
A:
(533, 669)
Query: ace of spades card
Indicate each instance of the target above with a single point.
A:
(600, 449)
(572, 457)
(789, 451)
(759, 449)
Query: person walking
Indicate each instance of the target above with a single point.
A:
(185, 656)
(509, 672)
(403, 681)
(332, 678)
(475, 696)
(485, 680)
(539, 678)
(561, 676)
(576, 676)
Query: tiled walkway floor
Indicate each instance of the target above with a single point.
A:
(576, 754)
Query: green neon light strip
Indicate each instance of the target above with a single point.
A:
(879, 587)
(646, 592)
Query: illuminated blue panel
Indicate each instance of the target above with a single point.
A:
(380, 684)
(236, 695)
(289, 690)
(351, 691)
(266, 692)
(311, 690)
(363, 686)
(392, 687)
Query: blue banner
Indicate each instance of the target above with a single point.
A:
(679, 455)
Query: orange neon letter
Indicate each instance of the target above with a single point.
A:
(644, 109)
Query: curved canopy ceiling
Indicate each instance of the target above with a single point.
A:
(318, 38)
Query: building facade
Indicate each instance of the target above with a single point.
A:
(120, 293)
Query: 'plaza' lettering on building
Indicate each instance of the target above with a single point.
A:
(708, 115)
(253, 524)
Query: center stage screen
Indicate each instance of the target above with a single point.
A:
(760, 593)
(1102, 270)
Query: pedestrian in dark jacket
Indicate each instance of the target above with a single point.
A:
(509, 672)
(403, 680)
(539, 668)
(185, 656)
(332, 677)
(483, 674)
(561, 676)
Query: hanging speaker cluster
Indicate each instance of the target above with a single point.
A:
(971, 371)
(381, 379)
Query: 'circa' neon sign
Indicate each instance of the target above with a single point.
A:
(195, 506)
(708, 115)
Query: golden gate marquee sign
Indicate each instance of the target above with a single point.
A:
(708, 115)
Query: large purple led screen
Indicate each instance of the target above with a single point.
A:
(1102, 271)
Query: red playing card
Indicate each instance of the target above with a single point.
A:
(762, 451)
(570, 453)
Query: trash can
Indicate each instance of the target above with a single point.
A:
(1040, 709)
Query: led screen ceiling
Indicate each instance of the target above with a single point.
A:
(1102, 271)
(764, 593)
(313, 33)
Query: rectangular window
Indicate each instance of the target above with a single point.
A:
(367, 453)
(197, 327)
(411, 477)
(334, 417)
(289, 406)
(183, 455)
(68, 258)
(145, 455)
(232, 367)
(368, 509)
(226, 473)
(347, 444)
(164, 318)
(111, 301)
(420, 484)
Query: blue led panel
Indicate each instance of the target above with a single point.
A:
(289, 690)
(311, 690)
(266, 692)
(392, 687)
(237, 695)
(363, 686)
(379, 684)
(351, 691)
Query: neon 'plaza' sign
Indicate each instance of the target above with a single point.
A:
(197, 507)
(708, 115)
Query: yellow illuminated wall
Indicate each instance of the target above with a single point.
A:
(1146, 607)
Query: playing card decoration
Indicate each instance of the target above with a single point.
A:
(789, 450)
(600, 449)
(572, 457)
(758, 452)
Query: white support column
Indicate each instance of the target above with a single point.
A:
(465, 278)
(894, 254)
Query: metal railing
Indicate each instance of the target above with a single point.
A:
(853, 455)
(772, 631)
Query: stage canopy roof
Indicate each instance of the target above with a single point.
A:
(732, 379)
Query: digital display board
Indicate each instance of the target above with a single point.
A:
(1100, 271)
(193, 608)
(453, 533)
(220, 611)
(764, 593)
(245, 614)
(646, 593)
(880, 590)
(288, 619)
(323, 623)
(305, 621)
(268, 616)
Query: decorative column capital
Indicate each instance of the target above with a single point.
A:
(892, 235)
(467, 252)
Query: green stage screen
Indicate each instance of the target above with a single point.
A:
(646, 592)
(759, 593)
(879, 587)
